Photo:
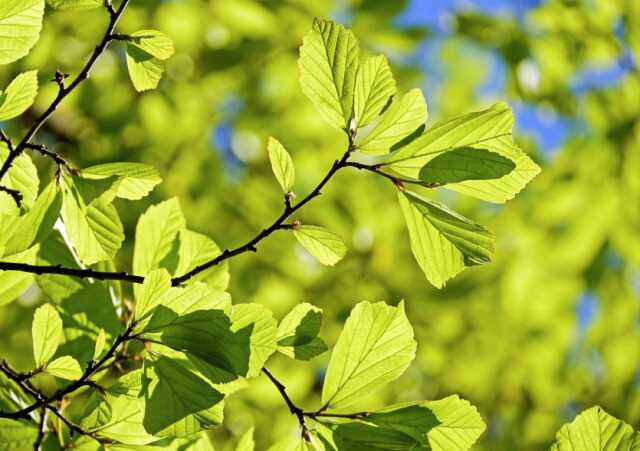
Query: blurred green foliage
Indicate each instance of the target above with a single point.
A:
(546, 330)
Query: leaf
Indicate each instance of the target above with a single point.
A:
(46, 332)
(156, 230)
(246, 442)
(153, 42)
(173, 395)
(155, 285)
(375, 347)
(365, 437)
(450, 424)
(135, 180)
(281, 165)
(65, 367)
(324, 245)
(402, 118)
(489, 130)
(328, 66)
(196, 249)
(92, 224)
(19, 95)
(23, 177)
(374, 86)
(20, 25)
(101, 340)
(17, 435)
(145, 71)
(465, 163)
(74, 5)
(443, 242)
(596, 430)
(14, 283)
(298, 333)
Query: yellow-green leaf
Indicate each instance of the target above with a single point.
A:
(374, 87)
(324, 245)
(19, 95)
(65, 367)
(46, 331)
(281, 164)
(20, 25)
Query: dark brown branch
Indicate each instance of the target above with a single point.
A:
(14, 193)
(398, 181)
(298, 412)
(74, 428)
(60, 270)
(41, 427)
(64, 91)
(57, 159)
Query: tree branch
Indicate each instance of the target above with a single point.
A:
(64, 91)
(41, 428)
(298, 412)
(398, 181)
(14, 193)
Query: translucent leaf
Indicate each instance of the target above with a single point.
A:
(442, 241)
(46, 332)
(489, 130)
(401, 119)
(374, 86)
(298, 333)
(153, 42)
(20, 25)
(23, 176)
(246, 442)
(156, 284)
(155, 232)
(135, 180)
(74, 5)
(375, 347)
(65, 367)
(196, 249)
(17, 435)
(328, 66)
(465, 163)
(19, 95)
(14, 283)
(324, 245)
(281, 164)
(101, 340)
(145, 70)
(596, 430)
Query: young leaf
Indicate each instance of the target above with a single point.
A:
(145, 70)
(298, 333)
(19, 95)
(246, 442)
(281, 164)
(328, 66)
(74, 5)
(196, 249)
(489, 130)
(156, 284)
(65, 367)
(135, 180)
(465, 163)
(375, 347)
(402, 118)
(153, 42)
(14, 283)
(374, 86)
(101, 340)
(594, 429)
(155, 232)
(442, 241)
(22, 177)
(20, 25)
(46, 332)
(324, 245)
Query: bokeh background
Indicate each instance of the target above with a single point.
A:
(549, 328)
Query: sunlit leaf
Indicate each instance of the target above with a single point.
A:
(73, 5)
(323, 244)
(246, 442)
(22, 177)
(196, 249)
(20, 25)
(144, 69)
(153, 42)
(465, 163)
(135, 180)
(374, 86)
(19, 95)
(65, 367)
(14, 283)
(298, 333)
(46, 332)
(281, 164)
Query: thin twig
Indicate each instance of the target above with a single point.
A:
(398, 181)
(58, 160)
(298, 412)
(14, 193)
(41, 428)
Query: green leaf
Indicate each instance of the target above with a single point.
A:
(365, 437)
(442, 241)
(489, 130)
(23, 177)
(465, 163)
(19, 95)
(374, 87)
(17, 435)
(46, 332)
(281, 164)
(324, 245)
(20, 25)
(246, 442)
(450, 424)
(65, 367)
(375, 347)
(156, 284)
(135, 180)
(401, 119)
(196, 249)
(155, 232)
(328, 66)
(175, 395)
(101, 340)
(145, 71)
(74, 5)
(298, 333)
(92, 224)
(153, 42)
(596, 430)
(14, 283)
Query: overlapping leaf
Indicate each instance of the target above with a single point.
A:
(323, 244)
(298, 333)
(22, 177)
(134, 180)
(374, 86)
